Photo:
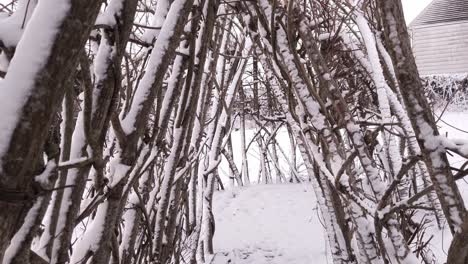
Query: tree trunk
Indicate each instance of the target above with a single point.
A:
(24, 149)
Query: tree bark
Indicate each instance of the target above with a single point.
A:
(21, 161)
(433, 151)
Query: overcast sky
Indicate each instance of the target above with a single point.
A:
(413, 7)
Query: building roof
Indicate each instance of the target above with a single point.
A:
(442, 11)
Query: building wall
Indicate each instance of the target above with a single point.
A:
(441, 48)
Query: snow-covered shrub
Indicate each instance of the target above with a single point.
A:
(447, 89)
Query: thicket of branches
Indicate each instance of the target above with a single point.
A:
(447, 90)
(117, 114)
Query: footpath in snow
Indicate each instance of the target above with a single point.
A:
(280, 223)
(268, 224)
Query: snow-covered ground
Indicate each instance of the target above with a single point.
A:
(454, 125)
(266, 224)
(280, 223)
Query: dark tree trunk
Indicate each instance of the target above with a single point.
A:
(21, 162)
(398, 43)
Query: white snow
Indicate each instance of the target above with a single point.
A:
(108, 16)
(44, 177)
(274, 224)
(20, 236)
(12, 27)
(31, 54)
(458, 121)
(162, 8)
(154, 63)
(92, 235)
(280, 223)
(73, 162)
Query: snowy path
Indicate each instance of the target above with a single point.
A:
(268, 224)
(277, 224)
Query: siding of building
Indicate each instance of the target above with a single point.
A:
(440, 38)
(441, 48)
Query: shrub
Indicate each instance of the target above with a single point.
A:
(447, 89)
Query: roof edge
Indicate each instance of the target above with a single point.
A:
(438, 24)
(421, 13)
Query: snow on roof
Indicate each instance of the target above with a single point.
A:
(442, 11)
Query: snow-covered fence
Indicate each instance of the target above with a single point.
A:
(443, 89)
